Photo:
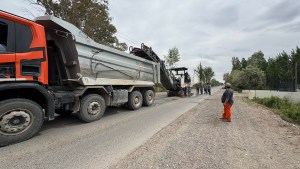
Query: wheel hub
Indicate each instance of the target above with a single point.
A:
(150, 97)
(93, 108)
(15, 121)
(136, 100)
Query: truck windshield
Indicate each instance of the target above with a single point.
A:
(2, 48)
(3, 37)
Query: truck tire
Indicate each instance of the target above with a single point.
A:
(20, 119)
(135, 100)
(92, 108)
(148, 98)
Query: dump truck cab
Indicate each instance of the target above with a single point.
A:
(23, 50)
(24, 101)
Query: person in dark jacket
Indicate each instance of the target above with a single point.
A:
(227, 100)
(209, 88)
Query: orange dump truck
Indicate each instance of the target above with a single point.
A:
(49, 66)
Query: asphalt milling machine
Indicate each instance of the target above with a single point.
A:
(176, 80)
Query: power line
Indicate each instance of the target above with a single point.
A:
(127, 38)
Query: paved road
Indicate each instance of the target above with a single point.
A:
(68, 143)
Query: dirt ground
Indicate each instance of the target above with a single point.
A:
(256, 138)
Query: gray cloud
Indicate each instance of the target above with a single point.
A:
(240, 50)
(290, 28)
(210, 32)
(283, 11)
(277, 15)
(225, 16)
(255, 28)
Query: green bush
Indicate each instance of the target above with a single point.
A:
(292, 113)
(160, 88)
(274, 102)
(285, 107)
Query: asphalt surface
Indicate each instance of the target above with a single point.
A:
(69, 143)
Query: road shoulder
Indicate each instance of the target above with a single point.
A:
(256, 138)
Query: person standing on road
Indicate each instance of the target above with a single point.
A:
(197, 88)
(227, 100)
(187, 81)
(209, 88)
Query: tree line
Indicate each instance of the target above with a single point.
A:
(278, 73)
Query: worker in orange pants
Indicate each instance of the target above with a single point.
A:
(227, 100)
(227, 112)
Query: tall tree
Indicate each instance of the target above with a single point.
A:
(199, 72)
(271, 74)
(90, 15)
(252, 78)
(208, 74)
(235, 80)
(279, 72)
(283, 65)
(236, 64)
(172, 57)
(226, 77)
(243, 63)
(295, 57)
(257, 59)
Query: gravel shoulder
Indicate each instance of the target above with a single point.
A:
(256, 138)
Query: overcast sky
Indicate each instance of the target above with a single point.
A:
(210, 32)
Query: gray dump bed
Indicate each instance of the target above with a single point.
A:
(89, 63)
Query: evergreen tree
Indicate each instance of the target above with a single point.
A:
(199, 72)
(236, 64)
(243, 63)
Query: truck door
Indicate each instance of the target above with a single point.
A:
(28, 59)
(7, 50)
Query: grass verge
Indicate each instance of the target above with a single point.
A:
(287, 110)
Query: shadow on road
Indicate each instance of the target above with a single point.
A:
(72, 120)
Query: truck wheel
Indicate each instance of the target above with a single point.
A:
(148, 98)
(135, 100)
(92, 108)
(20, 119)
